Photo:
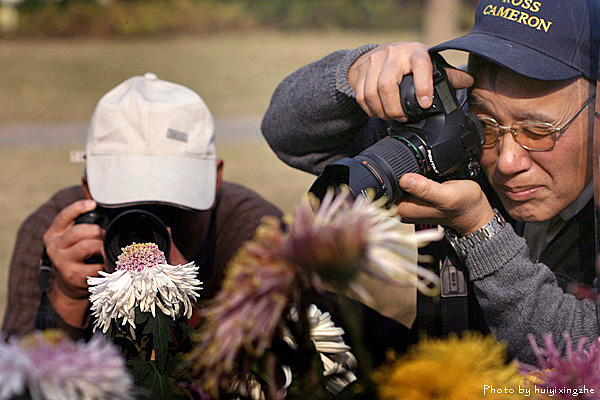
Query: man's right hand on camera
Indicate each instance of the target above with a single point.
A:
(67, 246)
(375, 77)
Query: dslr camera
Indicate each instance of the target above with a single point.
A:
(125, 225)
(440, 142)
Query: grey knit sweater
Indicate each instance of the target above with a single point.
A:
(314, 119)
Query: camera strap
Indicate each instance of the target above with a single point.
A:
(44, 319)
(454, 301)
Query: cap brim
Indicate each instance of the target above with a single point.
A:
(514, 56)
(115, 180)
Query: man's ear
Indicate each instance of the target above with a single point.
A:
(86, 189)
(220, 165)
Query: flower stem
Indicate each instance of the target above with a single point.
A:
(353, 322)
(308, 361)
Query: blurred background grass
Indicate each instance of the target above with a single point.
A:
(235, 73)
(47, 78)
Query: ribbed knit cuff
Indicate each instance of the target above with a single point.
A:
(341, 79)
(492, 255)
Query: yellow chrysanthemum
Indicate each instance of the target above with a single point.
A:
(450, 369)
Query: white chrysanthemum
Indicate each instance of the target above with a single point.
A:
(142, 278)
(338, 361)
(49, 366)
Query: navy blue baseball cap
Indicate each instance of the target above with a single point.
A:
(540, 39)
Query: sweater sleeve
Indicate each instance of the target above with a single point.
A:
(23, 289)
(519, 297)
(313, 118)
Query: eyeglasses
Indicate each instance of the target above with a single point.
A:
(534, 136)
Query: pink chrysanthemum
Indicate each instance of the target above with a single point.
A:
(138, 257)
(49, 366)
(578, 369)
(142, 278)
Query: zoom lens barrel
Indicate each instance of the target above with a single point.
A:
(378, 168)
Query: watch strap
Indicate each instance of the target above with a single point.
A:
(462, 245)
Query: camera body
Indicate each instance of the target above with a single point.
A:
(125, 225)
(440, 142)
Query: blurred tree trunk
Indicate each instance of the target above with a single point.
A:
(442, 20)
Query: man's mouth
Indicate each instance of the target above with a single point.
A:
(520, 193)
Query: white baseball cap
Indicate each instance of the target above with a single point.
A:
(151, 141)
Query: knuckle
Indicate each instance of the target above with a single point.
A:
(47, 239)
(394, 112)
(386, 82)
(370, 93)
(371, 59)
(360, 98)
(418, 46)
(85, 247)
(74, 278)
(452, 204)
(370, 88)
(423, 189)
(70, 235)
(90, 246)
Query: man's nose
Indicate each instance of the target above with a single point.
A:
(512, 157)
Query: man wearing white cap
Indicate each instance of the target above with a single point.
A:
(150, 146)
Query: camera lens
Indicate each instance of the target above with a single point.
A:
(136, 225)
(378, 168)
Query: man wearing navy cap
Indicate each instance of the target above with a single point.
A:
(527, 231)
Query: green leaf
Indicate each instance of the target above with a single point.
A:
(160, 329)
(147, 375)
(111, 331)
(187, 330)
(140, 317)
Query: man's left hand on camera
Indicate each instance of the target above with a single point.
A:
(457, 204)
(375, 77)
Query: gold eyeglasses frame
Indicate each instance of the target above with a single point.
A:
(552, 130)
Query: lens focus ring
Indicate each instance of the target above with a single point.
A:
(398, 156)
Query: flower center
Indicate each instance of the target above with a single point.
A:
(138, 256)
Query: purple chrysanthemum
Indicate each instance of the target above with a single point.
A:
(49, 366)
(345, 237)
(578, 369)
(341, 239)
(244, 315)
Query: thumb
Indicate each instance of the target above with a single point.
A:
(459, 79)
(418, 186)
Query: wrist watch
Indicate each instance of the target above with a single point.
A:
(462, 245)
